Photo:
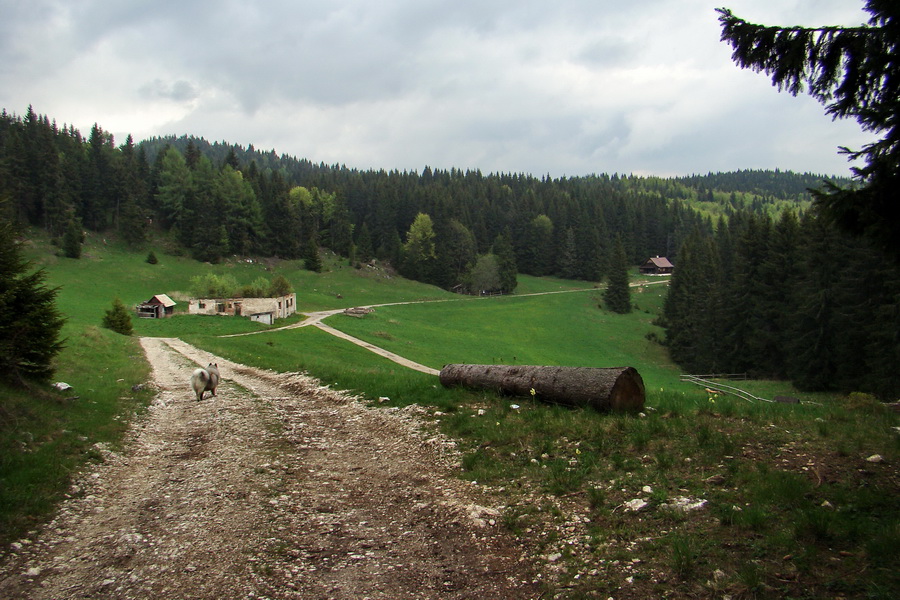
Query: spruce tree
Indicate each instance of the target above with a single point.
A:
(854, 72)
(71, 242)
(364, 250)
(617, 296)
(692, 311)
(29, 320)
(568, 257)
(118, 318)
(506, 263)
(311, 256)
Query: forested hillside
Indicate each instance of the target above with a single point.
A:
(760, 285)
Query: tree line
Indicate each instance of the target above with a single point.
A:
(780, 296)
(787, 298)
(451, 228)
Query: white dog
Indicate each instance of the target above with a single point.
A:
(205, 380)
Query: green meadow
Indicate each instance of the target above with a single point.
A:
(793, 506)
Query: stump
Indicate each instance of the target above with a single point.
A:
(604, 389)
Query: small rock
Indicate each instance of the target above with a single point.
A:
(636, 505)
(685, 504)
(715, 479)
(33, 572)
(554, 557)
(647, 489)
(875, 458)
(62, 386)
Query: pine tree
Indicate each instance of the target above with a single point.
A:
(617, 296)
(506, 264)
(30, 323)
(174, 184)
(118, 318)
(854, 72)
(364, 250)
(568, 257)
(133, 223)
(692, 311)
(812, 352)
(71, 242)
(311, 256)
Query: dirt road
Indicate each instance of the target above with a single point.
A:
(277, 488)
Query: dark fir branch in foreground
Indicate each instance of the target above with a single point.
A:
(855, 73)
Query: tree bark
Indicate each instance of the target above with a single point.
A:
(616, 389)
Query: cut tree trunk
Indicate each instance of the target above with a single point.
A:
(617, 389)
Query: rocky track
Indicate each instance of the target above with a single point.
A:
(275, 488)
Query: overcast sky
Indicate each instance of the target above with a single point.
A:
(562, 87)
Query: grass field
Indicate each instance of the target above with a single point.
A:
(793, 507)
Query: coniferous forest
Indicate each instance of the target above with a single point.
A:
(761, 285)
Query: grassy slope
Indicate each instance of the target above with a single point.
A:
(767, 526)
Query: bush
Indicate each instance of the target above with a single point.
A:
(151, 258)
(211, 285)
(258, 289)
(280, 286)
(118, 318)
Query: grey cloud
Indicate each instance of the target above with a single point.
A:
(571, 87)
(178, 91)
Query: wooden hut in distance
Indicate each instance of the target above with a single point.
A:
(159, 306)
(659, 265)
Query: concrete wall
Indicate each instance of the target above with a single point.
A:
(281, 307)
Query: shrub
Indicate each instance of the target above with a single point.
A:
(118, 318)
(280, 286)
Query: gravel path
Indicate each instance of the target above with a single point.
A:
(276, 488)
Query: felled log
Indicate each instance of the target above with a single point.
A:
(616, 389)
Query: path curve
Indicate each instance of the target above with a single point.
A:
(316, 319)
(276, 488)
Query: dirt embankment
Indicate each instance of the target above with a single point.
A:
(277, 488)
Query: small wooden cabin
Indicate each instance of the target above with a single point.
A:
(659, 265)
(159, 306)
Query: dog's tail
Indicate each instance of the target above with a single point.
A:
(198, 381)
